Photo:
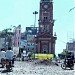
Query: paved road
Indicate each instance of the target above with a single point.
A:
(29, 68)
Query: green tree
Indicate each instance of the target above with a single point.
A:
(6, 33)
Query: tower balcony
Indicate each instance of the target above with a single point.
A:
(46, 0)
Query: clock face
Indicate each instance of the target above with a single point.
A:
(45, 6)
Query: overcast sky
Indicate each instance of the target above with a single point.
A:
(15, 12)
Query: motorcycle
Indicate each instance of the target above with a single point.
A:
(67, 64)
(8, 65)
(2, 62)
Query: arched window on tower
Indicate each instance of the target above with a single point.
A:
(45, 16)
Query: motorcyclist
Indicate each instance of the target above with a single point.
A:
(70, 59)
(2, 56)
(9, 55)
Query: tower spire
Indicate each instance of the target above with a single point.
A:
(46, 0)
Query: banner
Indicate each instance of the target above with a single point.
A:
(30, 37)
(44, 56)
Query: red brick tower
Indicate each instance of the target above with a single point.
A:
(45, 41)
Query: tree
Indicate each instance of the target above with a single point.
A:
(7, 34)
(63, 54)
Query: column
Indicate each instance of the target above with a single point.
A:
(53, 48)
(39, 47)
(50, 47)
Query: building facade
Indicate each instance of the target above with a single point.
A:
(16, 39)
(23, 41)
(70, 46)
(30, 33)
(45, 40)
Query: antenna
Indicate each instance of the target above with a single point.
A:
(73, 27)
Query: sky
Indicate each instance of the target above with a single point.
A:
(15, 12)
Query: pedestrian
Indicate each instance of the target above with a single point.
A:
(2, 56)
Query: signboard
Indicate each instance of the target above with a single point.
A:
(30, 37)
(44, 56)
(32, 30)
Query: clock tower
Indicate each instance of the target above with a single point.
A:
(45, 40)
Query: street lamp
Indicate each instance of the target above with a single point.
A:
(35, 12)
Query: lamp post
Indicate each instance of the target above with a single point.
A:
(35, 13)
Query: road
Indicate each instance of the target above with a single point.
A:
(30, 68)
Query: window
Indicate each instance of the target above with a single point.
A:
(18, 43)
(45, 18)
(47, 26)
(19, 31)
